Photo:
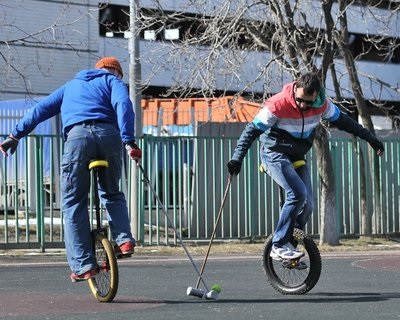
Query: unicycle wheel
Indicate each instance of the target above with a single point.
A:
(104, 285)
(295, 276)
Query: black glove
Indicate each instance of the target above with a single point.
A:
(377, 146)
(11, 143)
(234, 167)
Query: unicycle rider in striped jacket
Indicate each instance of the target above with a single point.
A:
(286, 125)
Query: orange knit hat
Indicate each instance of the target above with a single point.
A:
(109, 62)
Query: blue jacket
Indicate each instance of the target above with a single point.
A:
(93, 94)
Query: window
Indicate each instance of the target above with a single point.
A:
(159, 25)
(374, 48)
(113, 20)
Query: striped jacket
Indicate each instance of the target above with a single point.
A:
(284, 128)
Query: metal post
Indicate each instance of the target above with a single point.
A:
(135, 96)
(135, 67)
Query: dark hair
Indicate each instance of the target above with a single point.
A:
(309, 82)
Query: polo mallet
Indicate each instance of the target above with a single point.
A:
(200, 293)
(196, 291)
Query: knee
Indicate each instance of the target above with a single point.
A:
(299, 196)
(305, 214)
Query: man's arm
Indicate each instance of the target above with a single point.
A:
(124, 111)
(43, 110)
(345, 123)
(249, 134)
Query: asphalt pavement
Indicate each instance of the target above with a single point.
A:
(362, 285)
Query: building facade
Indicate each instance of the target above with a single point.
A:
(44, 43)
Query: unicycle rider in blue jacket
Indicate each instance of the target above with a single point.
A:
(97, 122)
(286, 125)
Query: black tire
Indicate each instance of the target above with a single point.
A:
(105, 285)
(285, 276)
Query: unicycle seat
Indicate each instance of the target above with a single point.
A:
(296, 165)
(97, 163)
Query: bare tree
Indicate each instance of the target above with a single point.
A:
(378, 41)
(288, 37)
(28, 48)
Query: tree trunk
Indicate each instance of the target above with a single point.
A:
(329, 234)
(343, 45)
(365, 217)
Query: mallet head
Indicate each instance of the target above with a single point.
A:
(212, 295)
(200, 293)
(195, 292)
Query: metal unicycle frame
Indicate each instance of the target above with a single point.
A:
(293, 276)
(104, 285)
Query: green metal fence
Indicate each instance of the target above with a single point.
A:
(189, 175)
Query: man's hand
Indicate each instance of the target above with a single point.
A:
(234, 167)
(377, 146)
(11, 143)
(134, 151)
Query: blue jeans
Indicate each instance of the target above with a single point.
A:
(84, 143)
(298, 204)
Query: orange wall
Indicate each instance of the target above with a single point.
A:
(191, 110)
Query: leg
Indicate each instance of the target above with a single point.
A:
(115, 203)
(109, 179)
(75, 186)
(308, 207)
(280, 169)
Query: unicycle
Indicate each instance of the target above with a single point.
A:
(293, 276)
(104, 285)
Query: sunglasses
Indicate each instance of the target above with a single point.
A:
(306, 102)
